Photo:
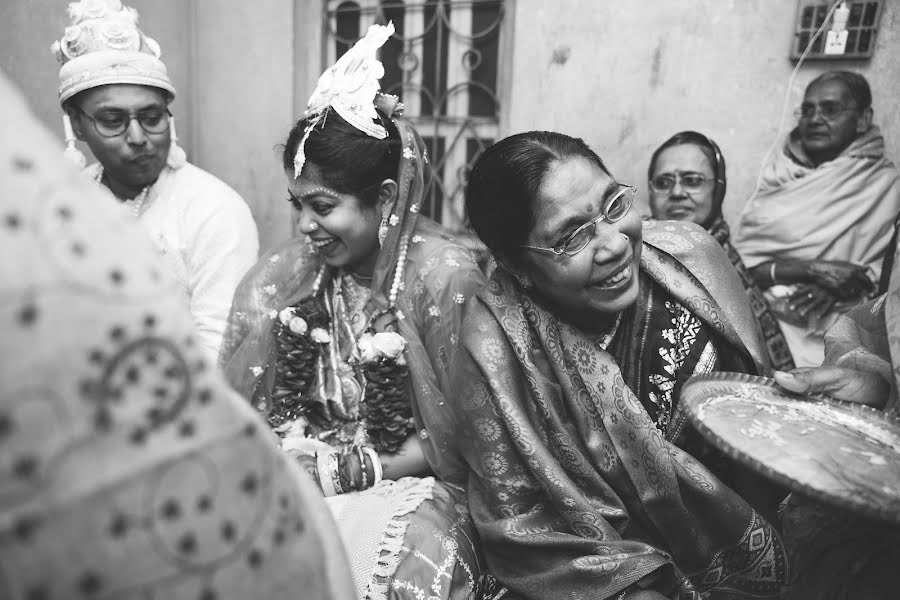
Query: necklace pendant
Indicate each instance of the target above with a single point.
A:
(136, 203)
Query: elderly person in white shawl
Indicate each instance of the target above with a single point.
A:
(815, 234)
(115, 92)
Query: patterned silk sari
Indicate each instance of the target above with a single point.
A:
(576, 485)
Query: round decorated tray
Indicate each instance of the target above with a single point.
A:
(842, 453)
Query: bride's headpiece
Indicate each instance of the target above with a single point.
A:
(350, 88)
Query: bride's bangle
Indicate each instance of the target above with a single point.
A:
(772, 272)
(362, 467)
(376, 465)
(327, 467)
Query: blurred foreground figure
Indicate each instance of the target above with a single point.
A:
(128, 469)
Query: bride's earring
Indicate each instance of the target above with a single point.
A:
(387, 196)
(382, 231)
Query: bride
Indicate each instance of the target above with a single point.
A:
(342, 337)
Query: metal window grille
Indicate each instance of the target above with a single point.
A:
(444, 63)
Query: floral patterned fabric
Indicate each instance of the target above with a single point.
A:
(574, 487)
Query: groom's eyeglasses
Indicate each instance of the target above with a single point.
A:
(113, 123)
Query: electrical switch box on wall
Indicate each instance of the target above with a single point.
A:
(850, 32)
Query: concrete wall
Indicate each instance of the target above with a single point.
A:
(627, 75)
(244, 103)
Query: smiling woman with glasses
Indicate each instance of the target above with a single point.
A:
(570, 365)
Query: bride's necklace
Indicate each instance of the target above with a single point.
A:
(359, 279)
(398, 274)
(357, 296)
(136, 203)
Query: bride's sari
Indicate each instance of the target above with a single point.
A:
(409, 537)
(584, 479)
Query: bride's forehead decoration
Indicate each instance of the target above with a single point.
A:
(350, 88)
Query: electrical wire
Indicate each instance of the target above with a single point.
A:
(787, 99)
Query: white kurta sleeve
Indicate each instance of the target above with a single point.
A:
(223, 246)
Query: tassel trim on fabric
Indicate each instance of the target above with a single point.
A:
(177, 157)
(416, 491)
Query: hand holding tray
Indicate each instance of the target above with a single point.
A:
(842, 453)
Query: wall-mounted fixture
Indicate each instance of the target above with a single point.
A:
(851, 33)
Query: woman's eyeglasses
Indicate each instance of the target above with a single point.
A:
(691, 182)
(614, 209)
(113, 123)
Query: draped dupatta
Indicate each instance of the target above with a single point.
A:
(575, 492)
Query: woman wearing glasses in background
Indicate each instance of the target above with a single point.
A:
(583, 479)
(687, 183)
